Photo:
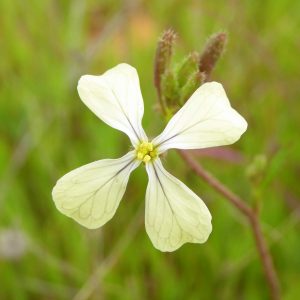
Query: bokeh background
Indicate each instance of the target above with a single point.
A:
(46, 131)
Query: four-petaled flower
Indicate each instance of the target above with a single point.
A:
(174, 215)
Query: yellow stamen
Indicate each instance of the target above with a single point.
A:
(146, 152)
(146, 158)
(140, 155)
(153, 154)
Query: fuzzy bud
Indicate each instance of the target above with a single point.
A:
(188, 66)
(194, 82)
(163, 56)
(212, 52)
(169, 87)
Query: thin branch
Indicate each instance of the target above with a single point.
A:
(216, 184)
(252, 216)
(265, 257)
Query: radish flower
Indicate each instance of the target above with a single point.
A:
(174, 215)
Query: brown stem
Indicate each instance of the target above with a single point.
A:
(265, 257)
(252, 216)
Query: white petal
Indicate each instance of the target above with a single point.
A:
(91, 194)
(115, 97)
(205, 120)
(174, 214)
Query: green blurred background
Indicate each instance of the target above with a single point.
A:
(46, 131)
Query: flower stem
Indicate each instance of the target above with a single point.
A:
(252, 216)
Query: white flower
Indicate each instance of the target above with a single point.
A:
(174, 214)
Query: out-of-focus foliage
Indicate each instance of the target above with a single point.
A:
(46, 131)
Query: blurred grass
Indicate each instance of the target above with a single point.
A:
(46, 131)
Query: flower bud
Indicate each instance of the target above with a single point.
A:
(163, 56)
(212, 52)
(193, 82)
(188, 66)
(257, 166)
(169, 88)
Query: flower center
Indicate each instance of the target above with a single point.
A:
(146, 152)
